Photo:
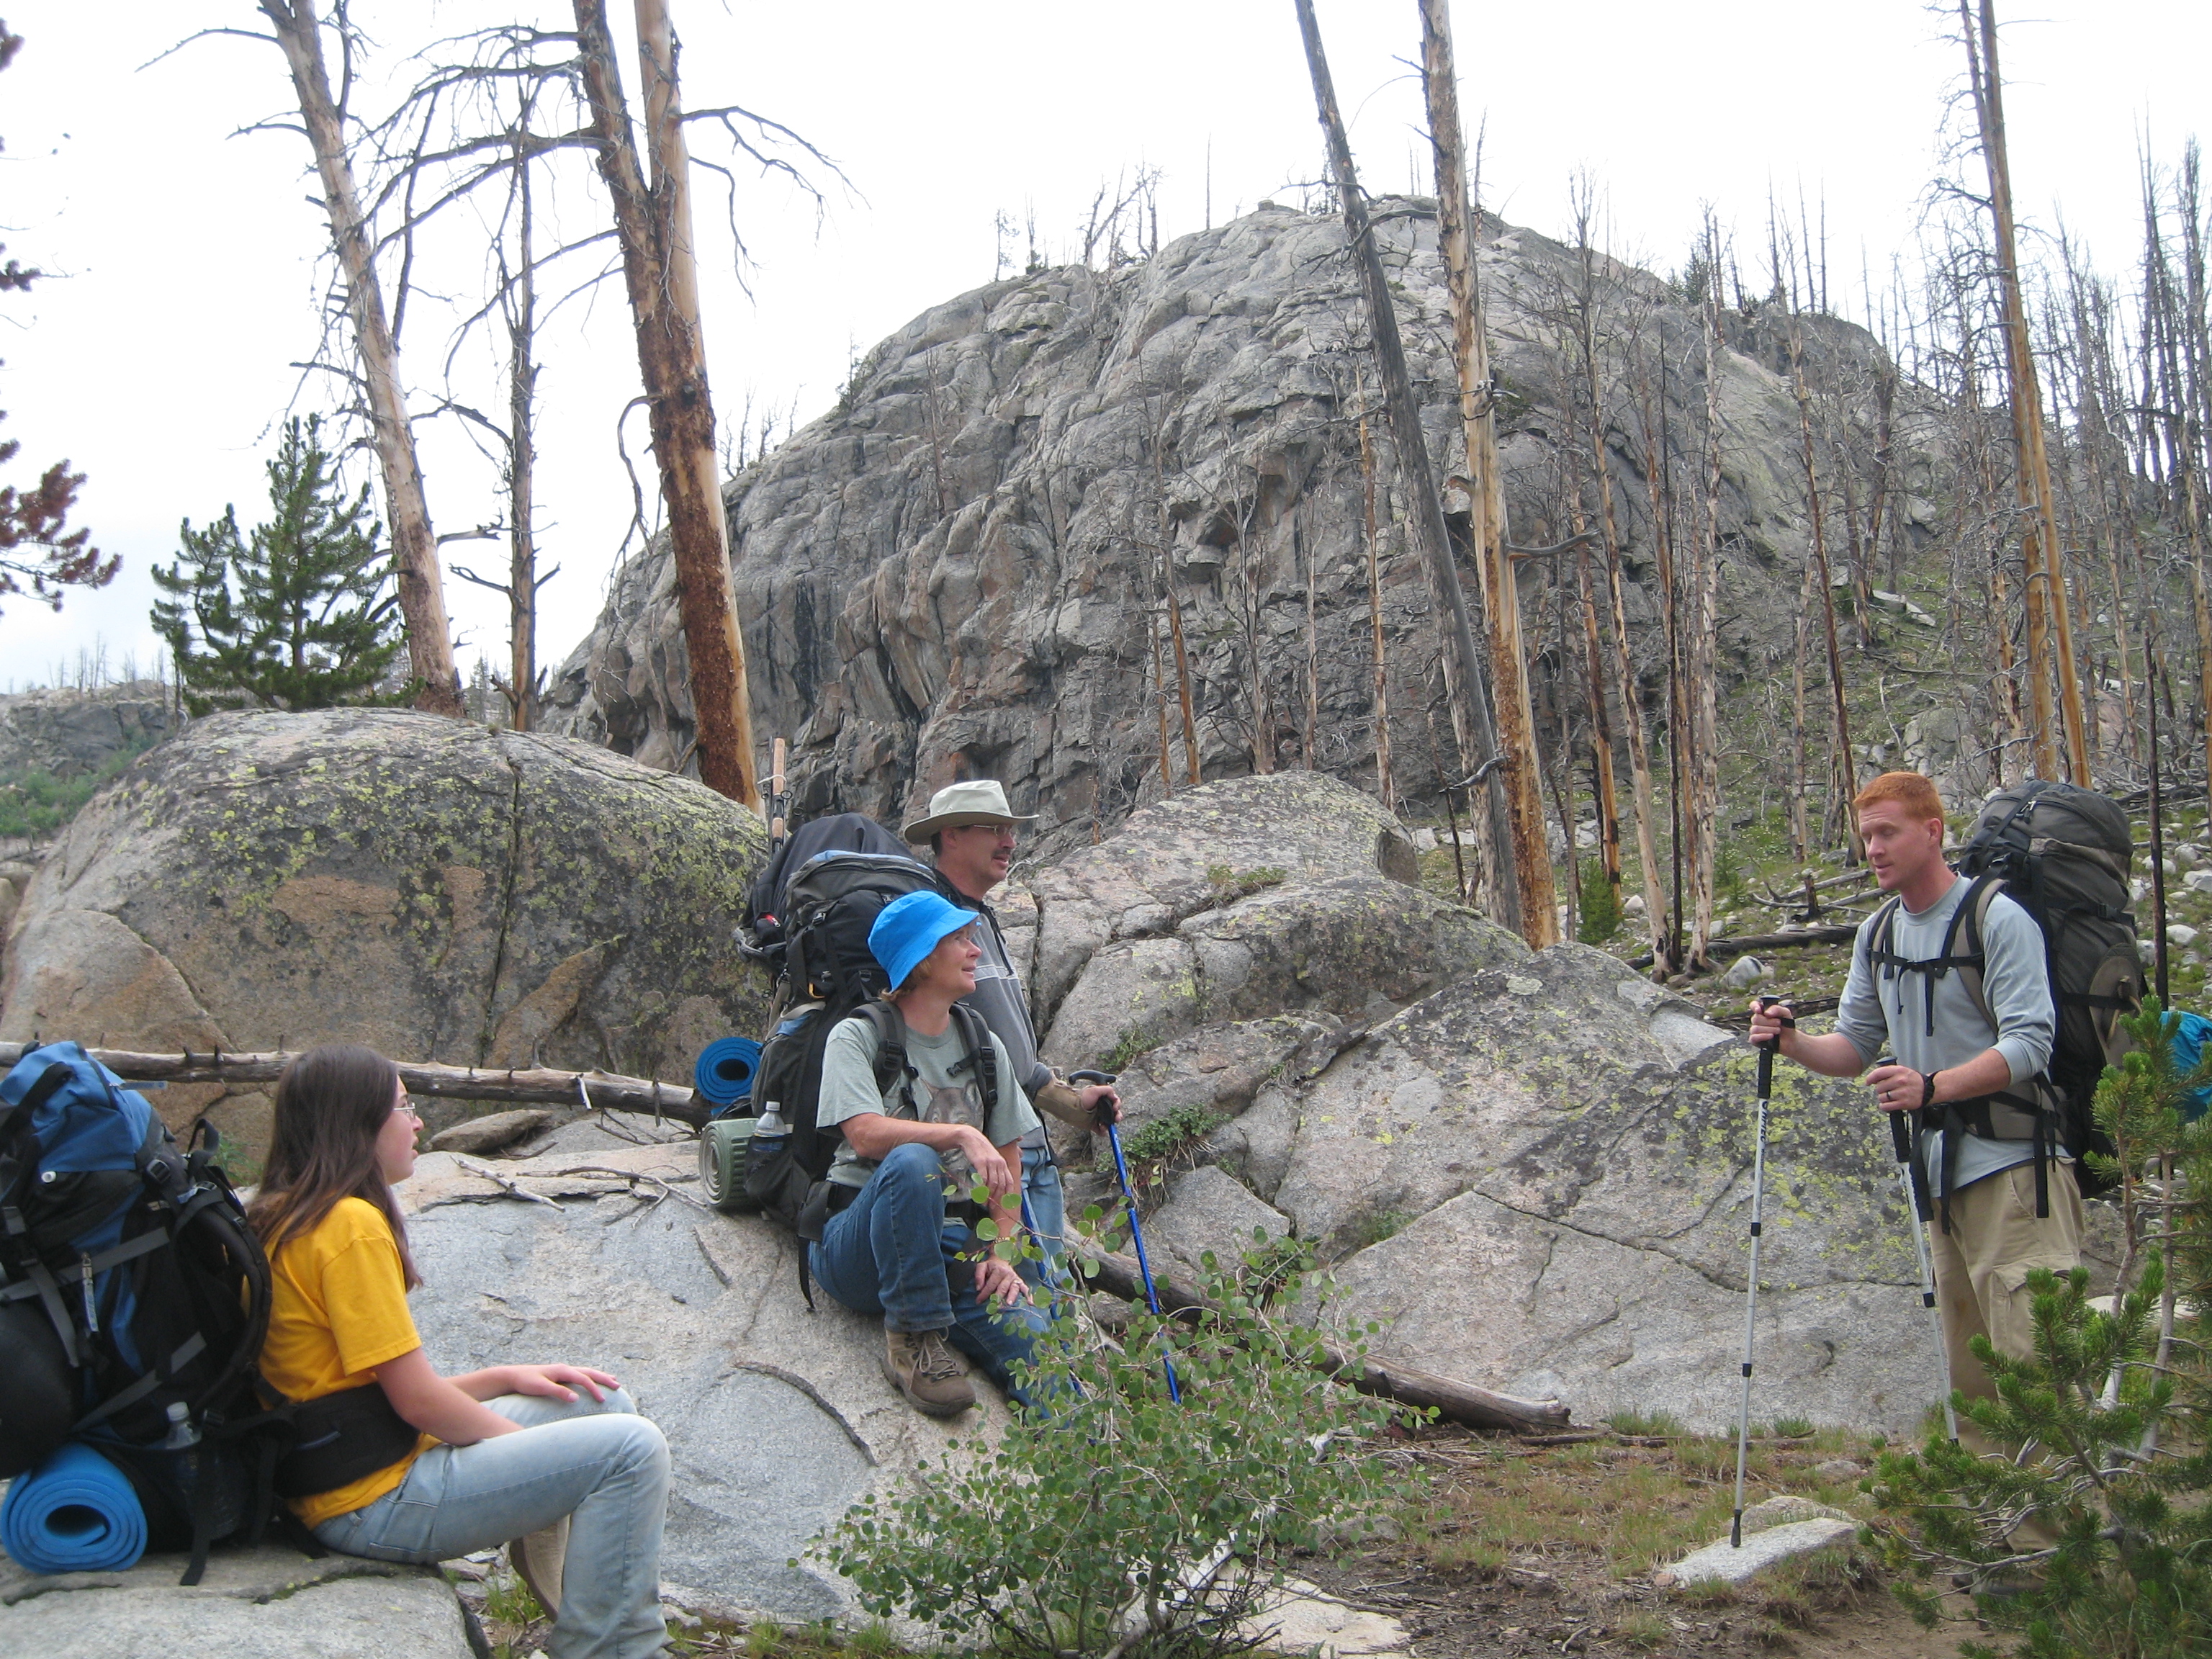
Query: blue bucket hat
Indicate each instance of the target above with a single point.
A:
(909, 928)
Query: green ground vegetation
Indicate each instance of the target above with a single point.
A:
(36, 803)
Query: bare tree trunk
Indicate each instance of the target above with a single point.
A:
(522, 578)
(1608, 803)
(1801, 840)
(415, 548)
(1666, 929)
(1845, 768)
(1160, 702)
(654, 228)
(1623, 666)
(2048, 612)
(1385, 784)
(1501, 600)
(1313, 648)
(1191, 764)
(1462, 663)
(1704, 632)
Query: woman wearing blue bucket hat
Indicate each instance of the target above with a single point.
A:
(901, 1237)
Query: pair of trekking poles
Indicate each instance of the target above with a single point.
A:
(1918, 1212)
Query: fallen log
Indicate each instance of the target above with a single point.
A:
(1842, 933)
(1385, 1379)
(602, 1090)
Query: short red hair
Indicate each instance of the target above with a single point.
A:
(1911, 791)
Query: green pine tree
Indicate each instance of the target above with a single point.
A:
(2114, 1409)
(300, 613)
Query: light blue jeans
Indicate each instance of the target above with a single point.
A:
(1046, 1214)
(598, 1460)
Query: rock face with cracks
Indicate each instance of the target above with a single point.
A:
(436, 889)
(962, 568)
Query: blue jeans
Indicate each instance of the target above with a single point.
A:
(892, 1251)
(597, 1460)
(1046, 1214)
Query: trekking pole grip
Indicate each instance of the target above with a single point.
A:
(1767, 1050)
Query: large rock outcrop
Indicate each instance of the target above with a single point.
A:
(778, 1419)
(437, 890)
(961, 569)
(68, 734)
(1533, 1170)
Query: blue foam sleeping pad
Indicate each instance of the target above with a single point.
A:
(724, 1073)
(75, 1513)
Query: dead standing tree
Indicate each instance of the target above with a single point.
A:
(653, 225)
(1462, 664)
(2048, 612)
(299, 33)
(1501, 599)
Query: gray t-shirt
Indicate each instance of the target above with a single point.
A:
(848, 1089)
(998, 997)
(1878, 1013)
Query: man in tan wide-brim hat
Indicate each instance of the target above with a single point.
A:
(969, 827)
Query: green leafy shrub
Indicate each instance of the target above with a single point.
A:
(2115, 1413)
(1600, 905)
(1127, 1523)
(1174, 1134)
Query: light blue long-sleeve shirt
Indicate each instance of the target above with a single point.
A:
(1878, 1013)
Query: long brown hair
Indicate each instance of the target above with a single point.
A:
(331, 1104)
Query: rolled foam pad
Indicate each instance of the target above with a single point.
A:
(725, 1071)
(75, 1513)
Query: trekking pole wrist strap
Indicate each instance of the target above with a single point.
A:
(1927, 1089)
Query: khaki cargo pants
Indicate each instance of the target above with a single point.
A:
(1982, 1266)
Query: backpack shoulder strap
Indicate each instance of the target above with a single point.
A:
(976, 1036)
(890, 1027)
(1973, 919)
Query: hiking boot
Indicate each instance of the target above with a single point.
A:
(921, 1366)
(538, 1561)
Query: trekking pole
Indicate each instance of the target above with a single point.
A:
(1751, 1291)
(1136, 1232)
(1918, 1210)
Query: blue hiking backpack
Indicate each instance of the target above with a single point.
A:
(133, 1302)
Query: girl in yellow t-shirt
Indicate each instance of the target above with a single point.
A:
(398, 1463)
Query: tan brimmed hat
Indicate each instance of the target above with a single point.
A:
(983, 801)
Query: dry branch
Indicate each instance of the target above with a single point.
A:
(601, 1091)
(1385, 1379)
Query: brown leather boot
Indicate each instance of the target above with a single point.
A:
(921, 1366)
(538, 1560)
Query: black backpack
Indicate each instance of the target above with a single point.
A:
(763, 932)
(133, 1302)
(814, 930)
(2064, 854)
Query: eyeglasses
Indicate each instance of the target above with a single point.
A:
(408, 1107)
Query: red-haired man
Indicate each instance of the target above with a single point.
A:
(1967, 1065)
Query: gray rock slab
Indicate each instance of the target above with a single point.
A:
(271, 1602)
(777, 1419)
(1209, 1210)
(1722, 1563)
(1575, 1211)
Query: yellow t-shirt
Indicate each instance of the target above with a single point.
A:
(338, 1311)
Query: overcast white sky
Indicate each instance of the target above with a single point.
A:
(186, 258)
